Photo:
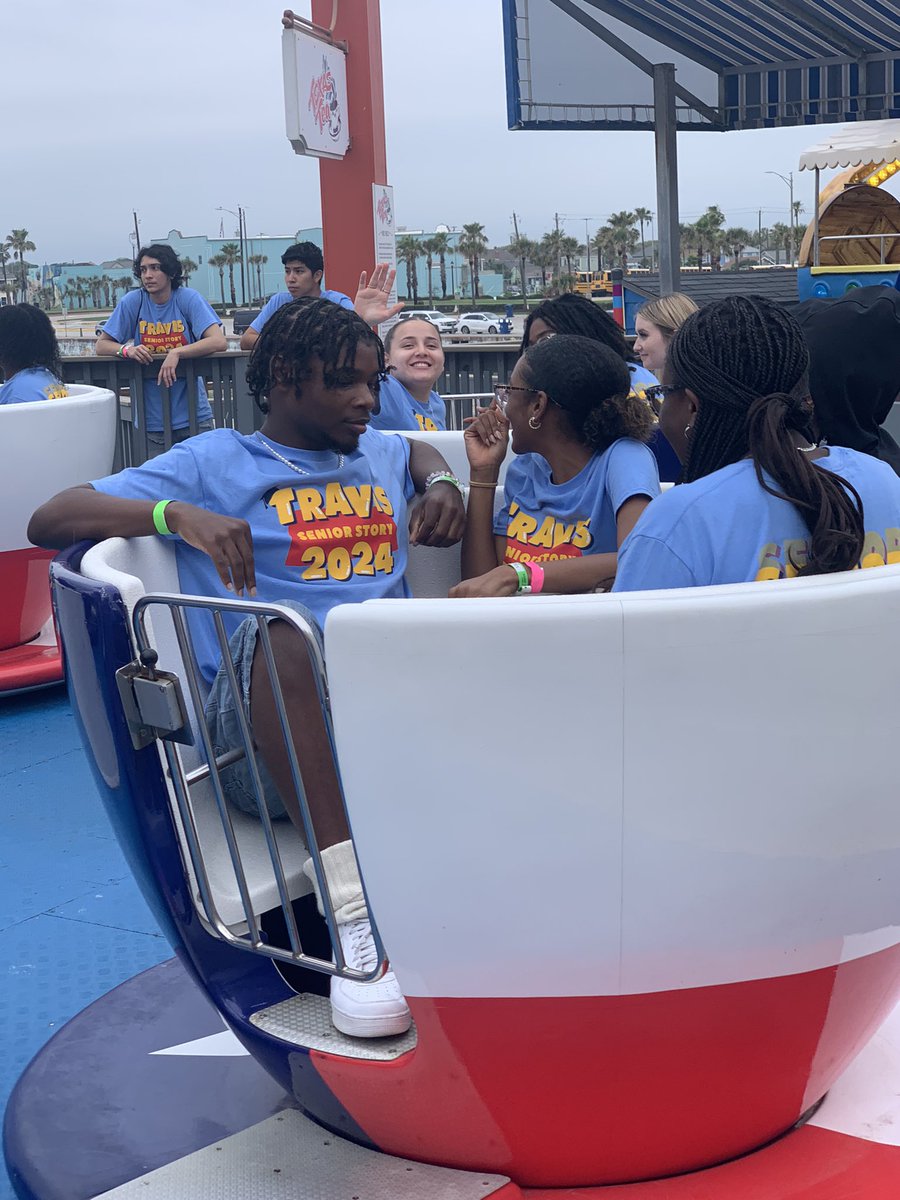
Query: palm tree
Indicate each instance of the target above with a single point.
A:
(709, 233)
(408, 250)
(427, 248)
(523, 248)
(188, 267)
(5, 252)
(258, 261)
(643, 216)
(544, 257)
(736, 240)
(624, 234)
(20, 246)
(231, 252)
(440, 243)
(782, 239)
(568, 248)
(472, 245)
(602, 243)
(122, 283)
(218, 261)
(551, 240)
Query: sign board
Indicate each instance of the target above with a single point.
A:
(315, 95)
(576, 64)
(385, 239)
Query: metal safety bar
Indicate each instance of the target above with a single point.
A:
(183, 781)
(881, 238)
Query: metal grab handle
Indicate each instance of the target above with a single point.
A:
(183, 781)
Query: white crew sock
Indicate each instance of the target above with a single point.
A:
(344, 884)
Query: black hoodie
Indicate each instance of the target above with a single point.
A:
(854, 373)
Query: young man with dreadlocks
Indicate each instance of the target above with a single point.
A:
(760, 498)
(312, 511)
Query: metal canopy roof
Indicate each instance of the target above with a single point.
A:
(741, 64)
(734, 33)
(854, 145)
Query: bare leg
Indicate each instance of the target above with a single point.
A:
(375, 1009)
(308, 731)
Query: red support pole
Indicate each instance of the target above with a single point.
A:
(346, 186)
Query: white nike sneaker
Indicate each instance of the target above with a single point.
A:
(366, 1010)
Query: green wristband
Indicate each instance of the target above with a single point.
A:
(522, 576)
(159, 519)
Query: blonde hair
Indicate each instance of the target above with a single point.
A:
(668, 313)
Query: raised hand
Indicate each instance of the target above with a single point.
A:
(486, 439)
(372, 301)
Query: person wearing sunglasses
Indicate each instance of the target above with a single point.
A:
(761, 499)
(581, 480)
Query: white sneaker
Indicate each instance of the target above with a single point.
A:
(366, 1010)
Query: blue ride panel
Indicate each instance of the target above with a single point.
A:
(825, 284)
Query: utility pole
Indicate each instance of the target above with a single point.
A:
(587, 244)
(521, 264)
(242, 240)
(137, 232)
(759, 238)
(789, 180)
(558, 271)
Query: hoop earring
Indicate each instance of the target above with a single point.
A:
(533, 424)
(687, 430)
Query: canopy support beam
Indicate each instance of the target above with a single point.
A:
(666, 178)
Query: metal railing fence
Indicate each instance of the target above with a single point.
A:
(470, 371)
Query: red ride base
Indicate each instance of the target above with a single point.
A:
(37, 664)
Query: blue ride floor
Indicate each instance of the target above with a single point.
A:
(72, 922)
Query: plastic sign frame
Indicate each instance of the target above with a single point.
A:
(315, 95)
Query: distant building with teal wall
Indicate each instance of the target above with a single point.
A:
(263, 279)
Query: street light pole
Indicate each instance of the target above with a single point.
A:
(240, 220)
(789, 180)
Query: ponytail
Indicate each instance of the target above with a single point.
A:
(830, 506)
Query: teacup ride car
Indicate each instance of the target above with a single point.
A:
(44, 447)
(634, 859)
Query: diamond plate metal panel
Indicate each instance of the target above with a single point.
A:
(287, 1157)
(306, 1021)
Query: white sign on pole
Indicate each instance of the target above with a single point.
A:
(315, 95)
(385, 238)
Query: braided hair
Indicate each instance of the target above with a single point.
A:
(745, 360)
(27, 339)
(571, 313)
(300, 331)
(590, 383)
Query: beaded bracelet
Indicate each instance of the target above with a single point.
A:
(443, 477)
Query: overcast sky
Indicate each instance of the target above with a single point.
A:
(176, 107)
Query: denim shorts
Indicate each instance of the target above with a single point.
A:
(222, 721)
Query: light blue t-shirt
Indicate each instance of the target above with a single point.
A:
(334, 536)
(33, 383)
(281, 298)
(401, 410)
(725, 528)
(641, 378)
(543, 521)
(183, 319)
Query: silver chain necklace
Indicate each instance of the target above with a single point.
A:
(287, 462)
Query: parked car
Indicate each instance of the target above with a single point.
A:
(244, 318)
(444, 321)
(478, 322)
